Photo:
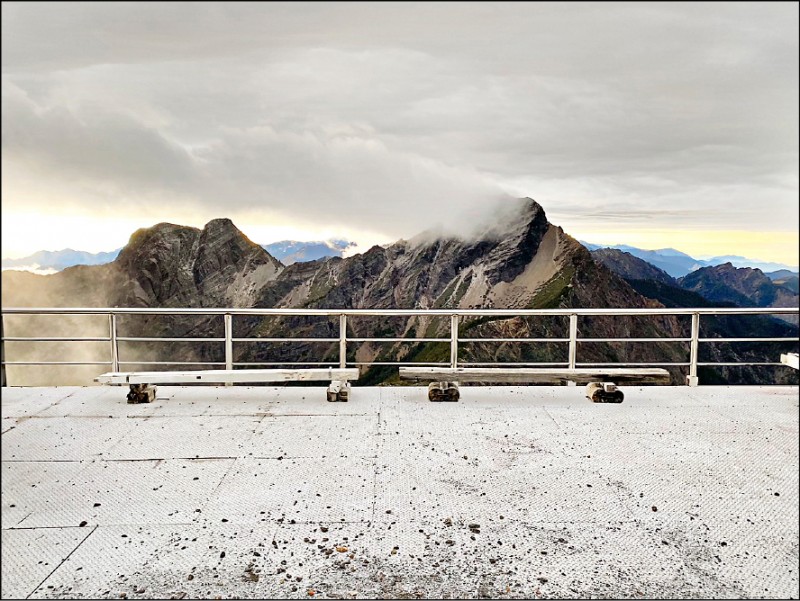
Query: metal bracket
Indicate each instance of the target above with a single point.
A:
(339, 391)
(142, 393)
(604, 392)
(443, 391)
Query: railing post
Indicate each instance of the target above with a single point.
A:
(228, 344)
(573, 344)
(454, 341)
(2, 355)
(692, 379)
(112, 329)
(343, 341)
(573, 340)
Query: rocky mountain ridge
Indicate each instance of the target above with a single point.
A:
(678, 264)
(631, 267)
(742, 286)
(522, 261)
(721, 284)
(166, 265)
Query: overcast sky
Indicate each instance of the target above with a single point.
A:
(637, 123)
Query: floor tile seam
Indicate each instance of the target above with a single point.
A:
(63, 561)
(516, 521)
(105, 524)
(58, 401)
(37, 416)
(210, 496)
(279, 415)
(115, 443)
(228, 457)
(132, 433)
(145, 459)
(45, 460)
(375, 483)
(550, 415)
(263, 414)
(37, 413)
(284, 523)
(17, 528)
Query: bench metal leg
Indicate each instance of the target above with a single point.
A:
(339, 391)
(604, 392)
(443, 391)
(142, 393)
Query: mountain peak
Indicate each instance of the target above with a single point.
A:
(530, 204)
(220, 223)
(743, 286)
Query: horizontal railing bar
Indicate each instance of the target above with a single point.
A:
(398, 363)
(284, 339)
(509, 363)
(513, 340)
(400, 340)
(668, 364)
(171, 363)
(56, 362)
(54, 339)
(166, 339)
(634, 339)
(191, 339)
(738, 364)
(331, 363)
(396, 312)
(781, 339)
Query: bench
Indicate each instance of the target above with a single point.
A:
(601, 382)
(143, 390)
(791, 359)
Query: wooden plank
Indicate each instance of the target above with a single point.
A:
(535, 375)
(791, 359)
(228, 375)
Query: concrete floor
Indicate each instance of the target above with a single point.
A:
(532, 492)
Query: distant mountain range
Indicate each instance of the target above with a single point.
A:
(286, 251)
(292, 251)
(720, 284)
(678, 264)
(673, 262)
(46, 260)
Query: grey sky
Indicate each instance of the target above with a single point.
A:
(384, 118)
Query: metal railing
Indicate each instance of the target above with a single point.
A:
(455, 315)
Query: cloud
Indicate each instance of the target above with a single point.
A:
(389, 119)
(33, 268)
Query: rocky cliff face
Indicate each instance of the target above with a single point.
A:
(170, 265)
(743, 286)
(631, 268)
(530, 264)
(163, 266)
(526, 263)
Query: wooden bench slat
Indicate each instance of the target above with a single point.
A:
(228, 375)
(535, 375)
(791, 359)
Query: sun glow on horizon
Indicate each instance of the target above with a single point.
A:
(778, 247)
(26, 233)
